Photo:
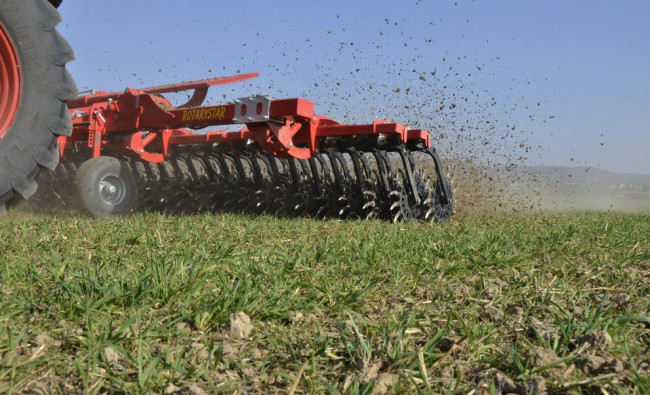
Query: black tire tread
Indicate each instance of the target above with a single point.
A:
(31, 144)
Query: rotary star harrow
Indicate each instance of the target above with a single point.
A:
(134, 150)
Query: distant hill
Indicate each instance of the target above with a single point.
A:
(574, 180)
(521, 188)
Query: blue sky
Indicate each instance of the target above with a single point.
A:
(525, 82)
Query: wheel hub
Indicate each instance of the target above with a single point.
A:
(112, 190)
(10, 82)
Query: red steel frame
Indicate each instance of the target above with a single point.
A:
(145, 123)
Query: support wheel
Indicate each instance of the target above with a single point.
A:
(106, 186)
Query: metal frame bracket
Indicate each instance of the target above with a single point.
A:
(252, 109)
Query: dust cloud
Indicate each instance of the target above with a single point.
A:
(485, 135)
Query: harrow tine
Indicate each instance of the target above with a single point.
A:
(339, 170)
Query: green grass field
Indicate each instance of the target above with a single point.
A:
(147, 303)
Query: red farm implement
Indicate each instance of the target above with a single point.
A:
(134, 150)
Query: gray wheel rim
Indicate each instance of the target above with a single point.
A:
(112, 189)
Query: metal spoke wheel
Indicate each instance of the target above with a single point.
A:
(442, 211)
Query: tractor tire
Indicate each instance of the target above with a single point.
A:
(107, 186)
(34, 88)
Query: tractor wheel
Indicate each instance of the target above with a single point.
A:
(107, 186)
(34, 87)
